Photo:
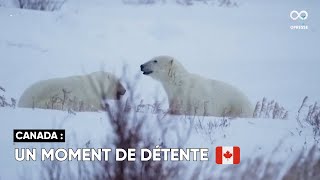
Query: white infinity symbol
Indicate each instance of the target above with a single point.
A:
(303, 15)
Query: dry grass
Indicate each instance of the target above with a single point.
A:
(209, 128)
(306, 166)
(223, 3)
(129, 123)
(309, 115)
(271, 109)
(129, 130)
(3, 100)
(42, 5)
(64, 100)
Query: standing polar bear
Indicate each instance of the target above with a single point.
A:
(191, 94)
(78, 93)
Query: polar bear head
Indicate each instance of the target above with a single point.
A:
(163, 68)
(107, 85)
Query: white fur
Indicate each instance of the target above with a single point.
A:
(191, 94)
(85, 92)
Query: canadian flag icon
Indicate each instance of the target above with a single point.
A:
(227, 155)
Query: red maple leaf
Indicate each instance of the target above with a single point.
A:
(227, 155)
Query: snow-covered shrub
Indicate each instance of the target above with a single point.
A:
(272, 109)
(42, 5)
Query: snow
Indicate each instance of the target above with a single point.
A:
(251, 47)
(255, 137)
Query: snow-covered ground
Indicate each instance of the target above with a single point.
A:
(255, 137)
(251, 47)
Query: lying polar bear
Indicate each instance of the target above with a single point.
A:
(191, 94)
(78, 93)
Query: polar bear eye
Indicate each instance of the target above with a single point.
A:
(155, 61)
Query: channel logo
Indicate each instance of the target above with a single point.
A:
(295, 15)
(299, 18)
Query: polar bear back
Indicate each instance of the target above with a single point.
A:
(213, 98)
(80, 93)
(227, 100)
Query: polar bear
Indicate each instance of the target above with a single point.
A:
(77, 93)
(191, 94)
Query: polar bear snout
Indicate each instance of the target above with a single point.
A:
(145, 69)
(120, 91)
